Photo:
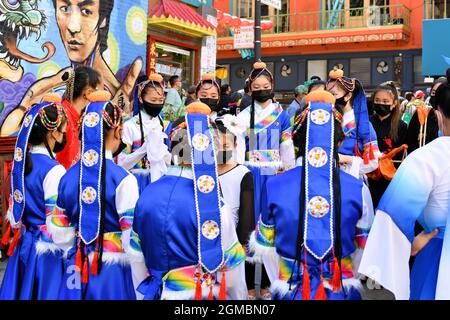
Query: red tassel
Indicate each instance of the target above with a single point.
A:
(78, 261)
(7, 234)
(306, 294)
(94, 266)
(211, 295)
(371, 152)
(198, 289)
(85, 272)
(223, 288)
(320, 294)
(14, 243)
(336, 280)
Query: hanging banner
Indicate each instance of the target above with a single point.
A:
(209, 50)
(272, 3)
(244, 37)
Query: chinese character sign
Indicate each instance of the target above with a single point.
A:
(244, 37)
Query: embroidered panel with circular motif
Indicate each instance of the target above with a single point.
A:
(206, 184)
(320, 116)
(90, 158)
(317, 157)
(27, 120)
(18, 196)
(318, 207)
(91, 119)
(89, 195)
(18, 154)
(210, 229)
(200, 142)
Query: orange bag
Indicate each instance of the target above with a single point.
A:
(386, 168)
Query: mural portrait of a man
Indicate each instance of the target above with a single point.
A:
(83, 26)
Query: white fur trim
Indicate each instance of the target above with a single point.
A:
(109, 258)
(259, 250)
(60, 236)
(43, 247)
(280, 287)
(135, 256)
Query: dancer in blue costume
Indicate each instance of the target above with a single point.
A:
(269, 147)
(360, 148)
(95, 211)
(208, 92)
(188, 235)
(35, 268)
(144, 135)
(310, 247)
(419, 192)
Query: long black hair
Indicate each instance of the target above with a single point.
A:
(443, 97)
(111, 111)
(84, 77)
(299, 139)
(39, 133)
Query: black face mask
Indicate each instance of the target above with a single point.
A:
(212, 103)
(382, 109)
(341, 103)
(59, 146)
(433, 101)
(262, 95)
(224, 156)
(152, 109)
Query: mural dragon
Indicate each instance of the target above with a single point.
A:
(20, 19)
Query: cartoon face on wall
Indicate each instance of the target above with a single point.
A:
(19, 20)
(57, 36)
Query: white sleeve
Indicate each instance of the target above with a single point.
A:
(127, 195)
(386, 256)
(363, 228)
(50, 185)
(287, 153)
(128, 161)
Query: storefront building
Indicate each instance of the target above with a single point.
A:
(177, 32)
(373, 40)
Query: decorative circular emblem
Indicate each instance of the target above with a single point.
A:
(200, 142)
(18, 154)
(318, 207)
(89, 195)
(210, 229)
(18, 197)
(90, 158)
(206, 184)
(320, 116)
(91, 119)
(317, 157)
(27, 120)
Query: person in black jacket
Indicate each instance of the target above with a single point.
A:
(391, 131)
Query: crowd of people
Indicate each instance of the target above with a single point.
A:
(183, 198)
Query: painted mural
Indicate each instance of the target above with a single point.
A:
(41, 41)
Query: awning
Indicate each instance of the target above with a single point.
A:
(180, 17)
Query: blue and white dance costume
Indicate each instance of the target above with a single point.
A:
(35, 269)
(276, 237)
(419, 192)
(148, 161)
(78, 220)
(188, 236)
(273, 149)
(361, 139)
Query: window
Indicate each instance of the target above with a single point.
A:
(317, 68)
(360, 69)
(437, 9)
(246, 9)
